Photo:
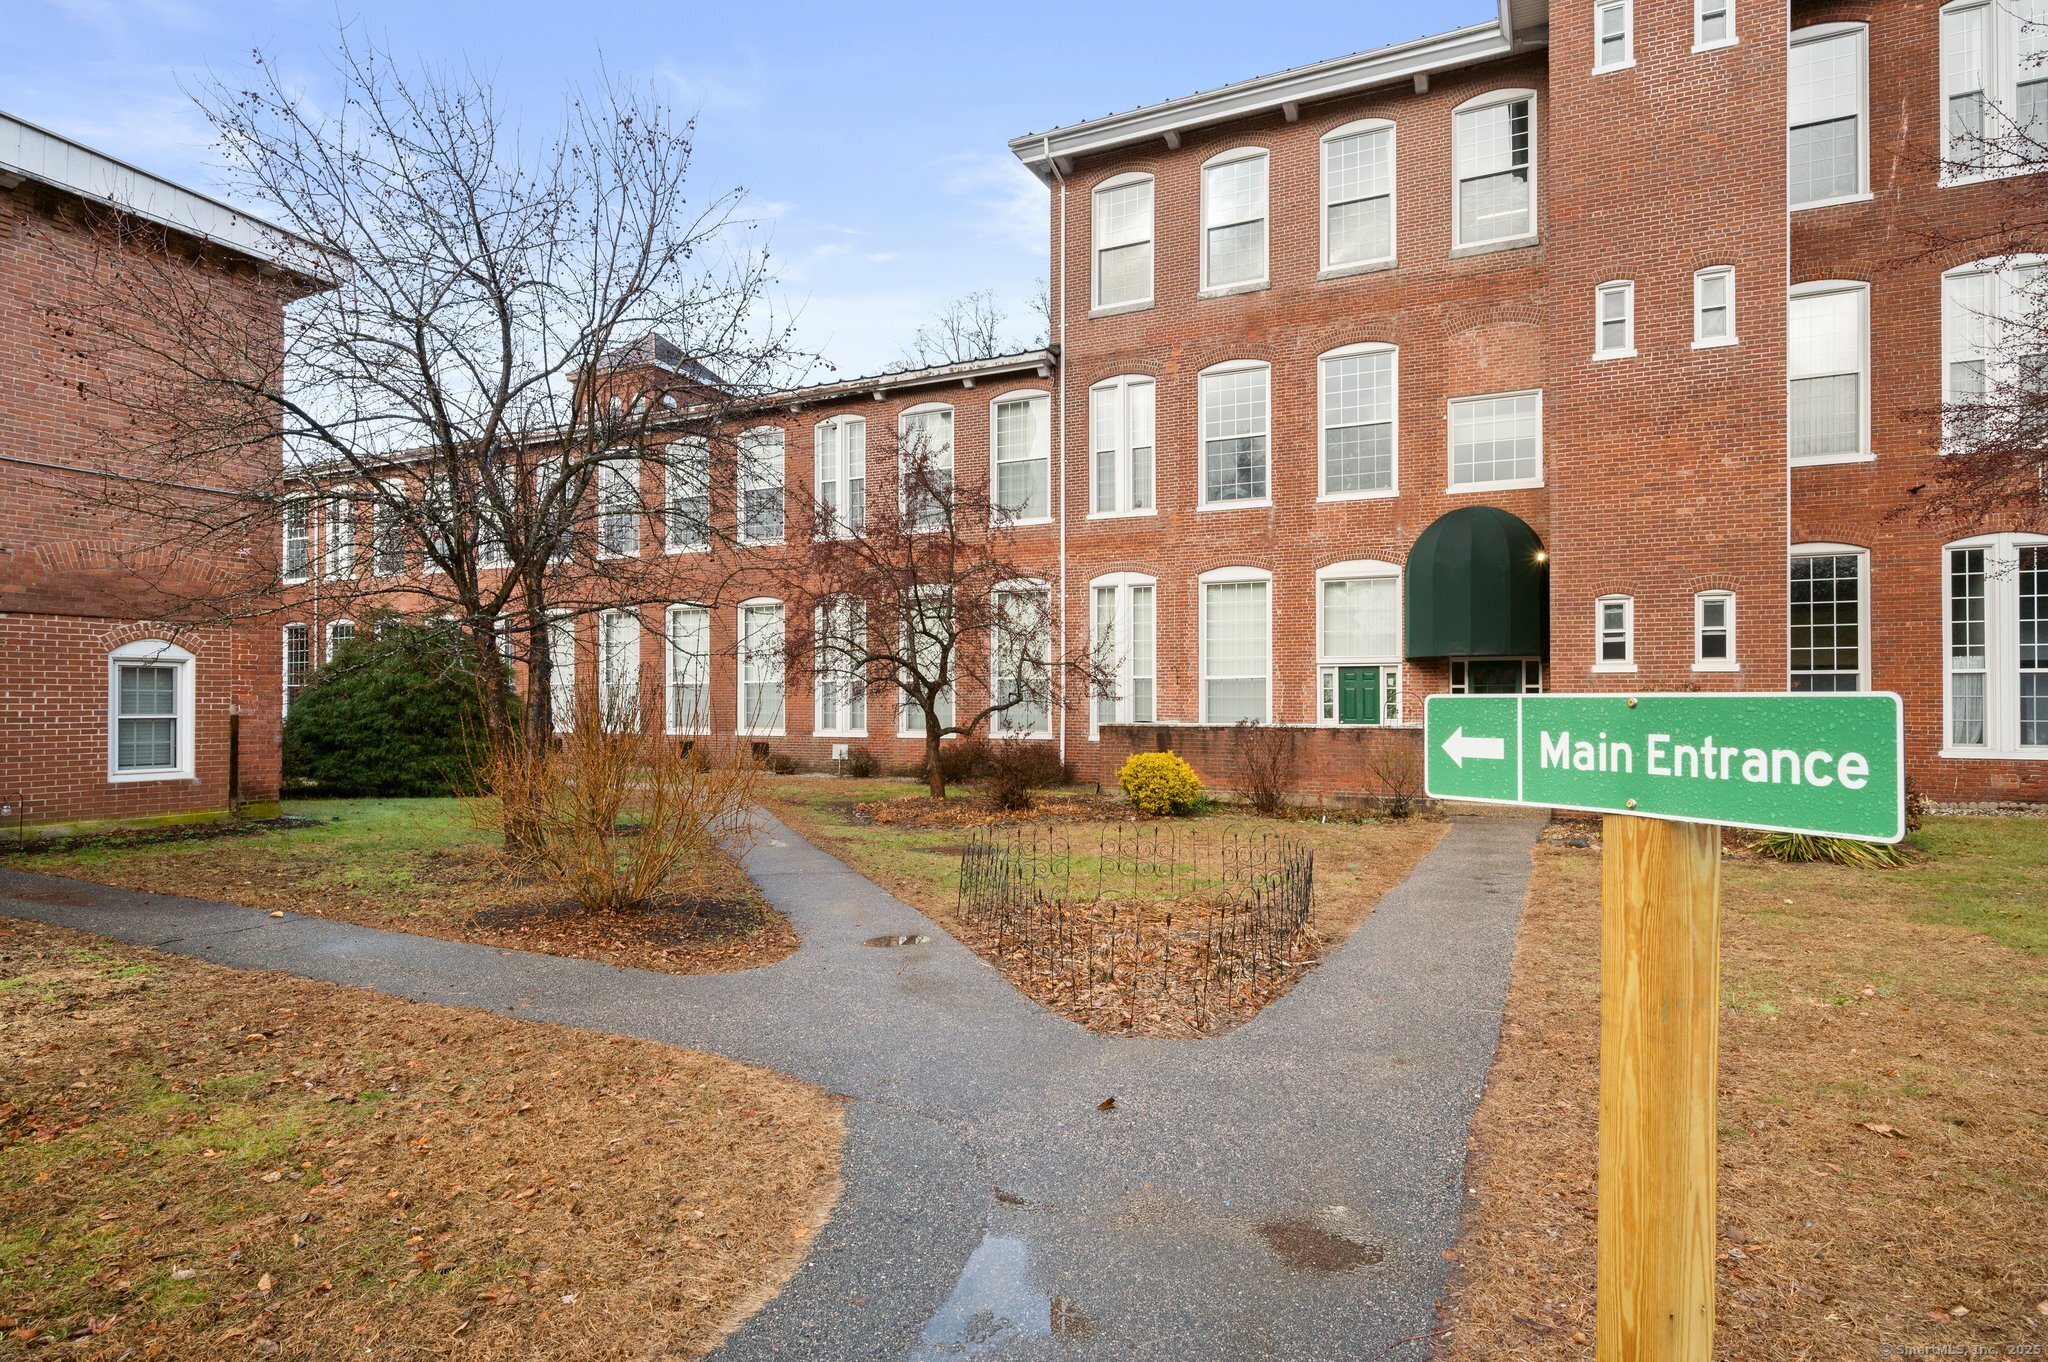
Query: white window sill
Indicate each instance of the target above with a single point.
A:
(839, 733)
(679, 732)
(692, 548)
(1612, 668)
(137, 777)
(1599, 355)
(1461, 489)
(1829, 460)
(1628, 65)
(762, 543)
(1261, 503)
(1994, 754)
(299, 580)
(1863, 197)
(1007, 736)
(761, 732)
(1232, 290)
(1024, 524)
(1990, 173)
(1123, 515)
(1716, 45)
(602, 558)
(1386, 494)
(1717, 666)
(1717, 343)
(1355, 268)
(1506, 243)
(1120, 309)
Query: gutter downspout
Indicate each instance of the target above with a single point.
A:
(1061, 362)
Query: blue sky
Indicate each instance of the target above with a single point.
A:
(871, 135)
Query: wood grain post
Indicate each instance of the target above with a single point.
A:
(1660, 999)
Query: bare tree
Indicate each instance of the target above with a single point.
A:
(513, 357)
(973, 326)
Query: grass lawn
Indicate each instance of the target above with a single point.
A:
(1884, 1109)
(198, 1163)
(878, 826)
(429, 866)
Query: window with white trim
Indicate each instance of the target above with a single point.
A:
(1234, 220)
(494, 515)
(1614, 328)
(1236, 646)
(150, 689)
(618, 508)
(298, 661)
(841, 677)
(562, 670)
(340, 632)
(1713, 24)
(1357, 397)
(761, 668)
(1121, 417)
(1497, 441)
(1358, 643)
(1994, 84)
(930, 637)
(1496, 676)
(1713, 632)
(555, 488)
(1021, 646)
(924, 467)
(1122, 621)
(1358, 195)
(1713, 307)
(1493, 164)
(1996, 614)
(1614, 626)
(760, 459)
(1020, 440)
(339, 525)
(1827, 359)
(1234, 415)
(1122, 237)
(296, 559)
(1991, 310)
(618, 670)
(686, 496)
(1828, 114)
(689, 669)
(1828, 619)
(1614, 41)
(390, 553)
(840, 446)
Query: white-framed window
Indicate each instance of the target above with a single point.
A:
(1122, 624)
(1827, 613)
(298, 661)
(1827, 360)
(1614, 325)
(1614, 35)
(1234, 220)
(437, 528)
(1496, 676)
(1020, 455)
(761, 668)
(930, 636)
(1985, 307)
(1121, 419)
(562, 670)
(1828, 112)
(1713, 632)
(686, 496)
(760, 459)
(494, 517)
(1614, 634)
(296, 558)
(1234, 422)
(1358, 195)
(1121, 228)
(1358, 446)
(1493, 165)
(390, 552)
(689, 669)
(1021, 659)
(150, 689)
(840, 446)
(924, 466)
(1713, 307)
(841, 684)
(618, 670)
(1994, 85)
(1713, 24)
(340, 632)
(1995, 613)
(1496, 441)
(1236, 638)
(1358, 643)
(618, 508)
(339, 525)
(555, 488)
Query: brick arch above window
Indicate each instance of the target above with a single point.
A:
(1496, 355)
(135, 631)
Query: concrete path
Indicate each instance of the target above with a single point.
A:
(1283, 1192)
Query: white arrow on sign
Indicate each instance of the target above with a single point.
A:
(1459, 747)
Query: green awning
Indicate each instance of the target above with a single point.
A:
(1477, 588)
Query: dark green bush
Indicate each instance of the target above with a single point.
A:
(861, 764)
(391, 713)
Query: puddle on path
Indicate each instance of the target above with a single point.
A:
(899, 939)
(996, 1303)
(1328, 1241)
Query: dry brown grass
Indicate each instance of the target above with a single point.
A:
(200, 1163)
(1848, 1004)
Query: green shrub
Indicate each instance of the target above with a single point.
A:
(1795, 847)
(1160, 782)
(861, 764)
(391, 713)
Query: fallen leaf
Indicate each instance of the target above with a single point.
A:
(263, 1283)
(1880, 1128)
(1106, 1104)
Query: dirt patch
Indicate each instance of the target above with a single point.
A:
(962, 809)
(198, 1163)
(1308, 1247)
(1884, 1144)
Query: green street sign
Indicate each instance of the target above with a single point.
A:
(1832, 765)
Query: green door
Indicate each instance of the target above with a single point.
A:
(1358, 695)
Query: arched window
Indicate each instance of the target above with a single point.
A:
(1493, 165)
(1358, 196)
(924, 466)
(1122, 619)
(1828, 114)
(150, 692)
(1994, 611)
(1121, 243)
(1234, 220)
(1358, 396)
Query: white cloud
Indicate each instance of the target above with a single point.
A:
(1008, 202)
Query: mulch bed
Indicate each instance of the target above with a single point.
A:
(977, 811)
(708, 935)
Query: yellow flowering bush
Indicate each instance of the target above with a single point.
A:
(1160, 782)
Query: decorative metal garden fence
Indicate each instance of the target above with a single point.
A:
(1157, 918)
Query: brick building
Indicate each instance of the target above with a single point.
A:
(119, 704)
(1586, 349)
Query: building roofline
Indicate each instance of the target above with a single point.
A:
(1041, 362)
(30, 152)
(1284, 91)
